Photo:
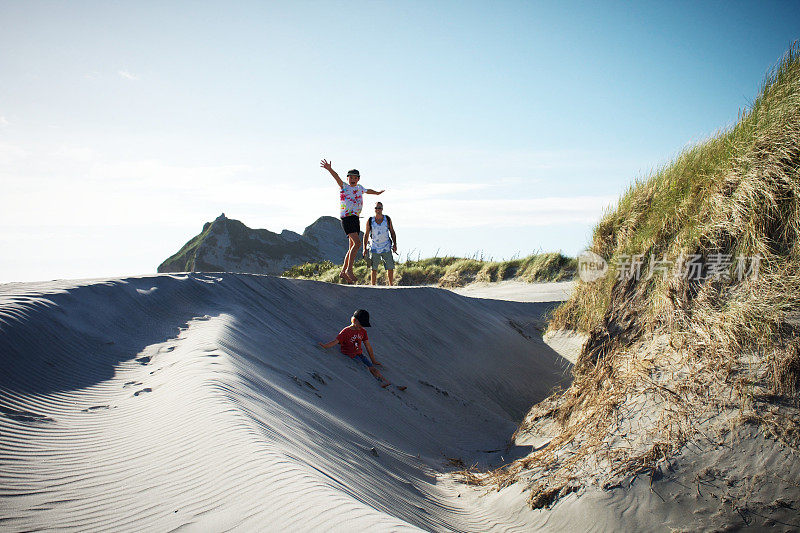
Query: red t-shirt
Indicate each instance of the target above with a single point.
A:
(350, 340)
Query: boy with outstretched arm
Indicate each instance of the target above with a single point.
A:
(350, 340)
(351, 196)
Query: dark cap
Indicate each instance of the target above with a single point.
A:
(353, 172)
(362, 316)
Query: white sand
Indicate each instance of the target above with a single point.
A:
(202, 403)
(519, 291)
(568, 344)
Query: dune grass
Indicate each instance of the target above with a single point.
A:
(670, 353)
(735, 194)
(450, 271)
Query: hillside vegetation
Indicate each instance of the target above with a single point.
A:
(703, 347)
(450, 271)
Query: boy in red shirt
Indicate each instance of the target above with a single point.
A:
(350, 340)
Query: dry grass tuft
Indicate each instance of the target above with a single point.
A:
(544, 497)
(786, 370)
(470, 477)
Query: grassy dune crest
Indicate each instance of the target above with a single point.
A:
(737, 195)
(450, 271)
(677, 354)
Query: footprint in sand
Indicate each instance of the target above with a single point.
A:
(301, 382)
(434, 387)
(24, 416)
(142, 391)
(143, 360)
(96, 408)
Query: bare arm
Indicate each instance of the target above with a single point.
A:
(334, 342)
(327, 166)
(366, 236)
(371, 191)
(394, 237)
(370, 352)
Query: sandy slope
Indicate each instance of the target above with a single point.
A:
(519, 291)
(567, 344)
(201, 402)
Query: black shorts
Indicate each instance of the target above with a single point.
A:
(351, 224)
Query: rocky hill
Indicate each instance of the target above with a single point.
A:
(227, 245)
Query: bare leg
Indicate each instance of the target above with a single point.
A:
(351, 254)
(390, 273)
(343, 274)
(374, 277)
(349, 259)
(375, 372)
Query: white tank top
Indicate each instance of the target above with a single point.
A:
(380, 236)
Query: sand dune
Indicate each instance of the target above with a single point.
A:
(202, 402)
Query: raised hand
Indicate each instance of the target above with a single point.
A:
(327, 165)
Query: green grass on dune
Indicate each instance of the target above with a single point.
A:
(450, 271)
(738, 194)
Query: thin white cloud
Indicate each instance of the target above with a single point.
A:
(119, 192)
(73, 187)
(127, 75)
(506, 212)
(10, 152)
(419, 191)
(4, 121)
(76, 153)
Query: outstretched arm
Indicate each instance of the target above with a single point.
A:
(327, 166)
(334, 342)
(370, 191)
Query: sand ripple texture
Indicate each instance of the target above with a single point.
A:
(202, 402)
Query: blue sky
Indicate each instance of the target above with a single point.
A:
(498, 128)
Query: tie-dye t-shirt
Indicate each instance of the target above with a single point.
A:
(352, 200)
